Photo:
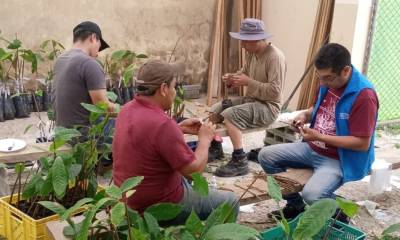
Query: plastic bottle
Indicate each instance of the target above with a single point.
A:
(213, 183)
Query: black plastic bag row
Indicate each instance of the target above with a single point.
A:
(124, 94)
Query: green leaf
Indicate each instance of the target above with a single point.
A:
(193, 224)
(112, 96)
(348, 207)
(391, 229)
(285, 226)
(74, 170)
(15, 44)
(222, 214)
(138, 235)
(83, 234)
(114, 192)
(231, 231)
(19, 168)
(151, 223)
(274, 190)
(130, 183)
(53, 206)
(60, 177)
(94, 108)
(164, 211)
(117, 213)
(128, 74)
(75, 208)
(142, 56)
(27, 128)
(65, 134)
(120, 54)
(129, 193)
(39, 93)
(314, 219)
(57, 143)
(47, 186)
(30, 187)
(200, 184)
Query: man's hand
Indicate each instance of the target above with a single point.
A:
(190, 126)
(206, 132)
(310, 134)
(302, 118)
(237, 79)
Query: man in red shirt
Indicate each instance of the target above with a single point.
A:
(148, 143)
(338, 145)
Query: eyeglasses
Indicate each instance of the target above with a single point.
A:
(326, 78)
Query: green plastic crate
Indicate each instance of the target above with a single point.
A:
(340, 231)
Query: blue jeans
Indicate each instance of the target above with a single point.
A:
(327, 175)
(203, 206)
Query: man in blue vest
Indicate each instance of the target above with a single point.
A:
(339, 143)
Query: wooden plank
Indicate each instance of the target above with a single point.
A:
(33, 151)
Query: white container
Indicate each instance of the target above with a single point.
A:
(380, 177)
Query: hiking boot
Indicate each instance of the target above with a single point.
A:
(237, 166)
(215, 151)
(289, 212)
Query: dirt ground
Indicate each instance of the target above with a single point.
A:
(386, 213)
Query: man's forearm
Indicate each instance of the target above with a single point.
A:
(201, 154)
(348, 142)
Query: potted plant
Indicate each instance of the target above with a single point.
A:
(49, 50)
(121, 222)
(315, 222)
(64, 177)
(17, 57)
(119, 69)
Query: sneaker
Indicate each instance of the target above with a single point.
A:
(215, 151)
(237, 166)
(253, 155)
(289, 212)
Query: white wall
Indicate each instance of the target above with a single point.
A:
(292, 21)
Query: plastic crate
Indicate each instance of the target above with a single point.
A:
(339, 231)
(191, 91)
(16, 225)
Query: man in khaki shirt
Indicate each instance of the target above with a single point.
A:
(263, 74)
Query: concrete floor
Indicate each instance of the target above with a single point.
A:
(386, 148)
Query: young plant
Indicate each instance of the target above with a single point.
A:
(316, 216)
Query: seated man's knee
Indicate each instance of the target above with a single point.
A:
(311, 195)
(266, 160)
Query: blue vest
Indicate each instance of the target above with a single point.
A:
(355, 164)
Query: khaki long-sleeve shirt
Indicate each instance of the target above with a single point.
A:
(267, 73)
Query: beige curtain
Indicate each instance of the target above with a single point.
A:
(321, 33)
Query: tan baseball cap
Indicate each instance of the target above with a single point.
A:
(152, 74)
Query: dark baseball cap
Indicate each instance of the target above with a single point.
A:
(92, 27)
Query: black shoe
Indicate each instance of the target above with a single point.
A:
(341, 217)
(253, 155)
(237, 166)
(215, 151)
(289, 212)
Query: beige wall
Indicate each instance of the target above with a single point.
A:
(292, 21)
(152, 27)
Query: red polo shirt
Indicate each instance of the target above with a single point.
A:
(148, 143)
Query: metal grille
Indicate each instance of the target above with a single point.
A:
(383, 62)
